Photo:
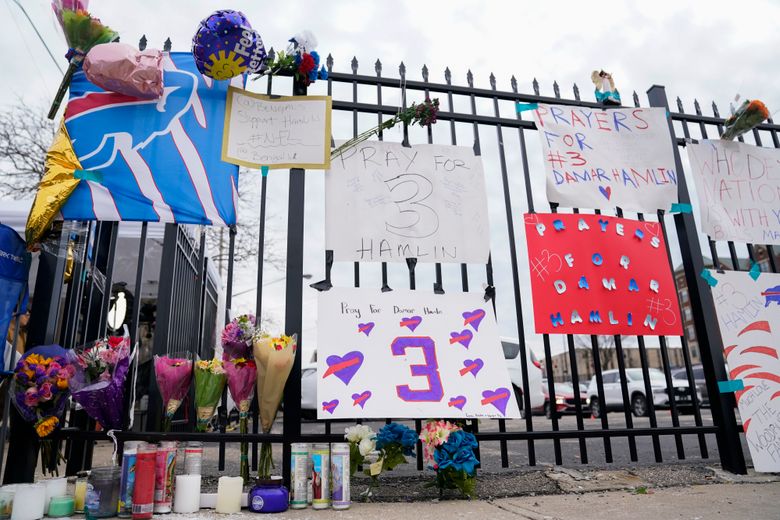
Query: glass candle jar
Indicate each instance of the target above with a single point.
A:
(269, 496)
(103, 492)
(60, 507)
(80, 494)
(6, 500)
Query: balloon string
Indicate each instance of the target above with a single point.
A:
(112, 436)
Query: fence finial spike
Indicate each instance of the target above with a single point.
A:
(142, 42)
(354, 64)
(470, 78)
(513, 83)
(271, 55)
(576, 91)
(715, 111)
(329, 61)
(402, 70)
(492, 81)
(167, 45)
(378, 67)
(535, 85)
(636, 99)
(448, 75)
(697, 107)
(556, 89)
(425, 72)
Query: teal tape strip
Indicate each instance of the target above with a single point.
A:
(681, 207)
(755, 271)
(264, 170)
(727, 387)
(708, 278)
(88, 175)
(524, 107)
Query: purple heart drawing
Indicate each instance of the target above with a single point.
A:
(473, 366)
(498, 398)
(607, 192)
(330, 406)
(463, 337)
(459, 401)
(344, 367)
(473, 318)
(411, 323)
(366, 328)
(361, 398)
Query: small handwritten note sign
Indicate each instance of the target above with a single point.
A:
(410, 354)
(749, 319)
(278, 132)
(606, 159)
(739, 190)
(385, 203)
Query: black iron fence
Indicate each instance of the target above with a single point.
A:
(486, 119)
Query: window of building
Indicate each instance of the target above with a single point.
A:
(684, 295)
(691, 332)
(687, 313)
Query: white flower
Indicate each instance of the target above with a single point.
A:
(359, 432)
(305, 41)
(367, 445)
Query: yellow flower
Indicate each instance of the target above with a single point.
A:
(62, 383)
(45, 426)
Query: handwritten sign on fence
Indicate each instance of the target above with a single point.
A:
(749, 319)
(604, 159)
(278, 132)
(592, 274)
(385, 203)
(738, 186)
(410, 354)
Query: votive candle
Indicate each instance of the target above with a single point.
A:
(55, 487)
(229, 491)
(186, 499)
(27, 502)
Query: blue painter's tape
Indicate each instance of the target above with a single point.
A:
(264, 170)
(755, 271)
(726, 387)
(709, 278)
(523, 107)
(88, 175)
(681, 207)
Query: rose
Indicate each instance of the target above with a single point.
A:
(358, 433)
(306, 65)
(45, 392)
(31, 397)
(366, 446)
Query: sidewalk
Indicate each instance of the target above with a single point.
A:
(704, 502)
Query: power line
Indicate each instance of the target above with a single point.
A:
(56, 62)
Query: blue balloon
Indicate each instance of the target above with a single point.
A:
(225, 46)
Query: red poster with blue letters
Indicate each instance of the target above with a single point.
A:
(593, 274)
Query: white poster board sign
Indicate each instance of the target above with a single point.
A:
(749, 320)
(738, 186)
(604, 159)
(278, 132)
(410, 354)
(385, 203)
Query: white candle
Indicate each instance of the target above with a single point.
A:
(27, 502)
(55, 487)
(186, 498)
(229, 492)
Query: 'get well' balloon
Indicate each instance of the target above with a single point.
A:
(225, 45)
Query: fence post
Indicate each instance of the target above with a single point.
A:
(293, 314)
(711, 345)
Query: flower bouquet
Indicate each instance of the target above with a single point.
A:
(210, 381)
(451, 451)
(362, 442)
(40, 390)
(749, 115)
(423, 114)
(237, 337)
(82, 32)
(99, 381)
(274, 357)
(300, 60)
(241, 375)
(173, 379)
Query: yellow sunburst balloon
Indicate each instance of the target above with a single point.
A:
(56, 186)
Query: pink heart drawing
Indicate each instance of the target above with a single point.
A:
(473, 318)
(498, 398)
(411, 323)
(330, 406)
(459, 401)
(607, 192)
(361, 398)
(463, 337)
(473, 366)
(366, 328)
(344, 367)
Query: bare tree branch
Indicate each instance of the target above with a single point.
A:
(25, 136)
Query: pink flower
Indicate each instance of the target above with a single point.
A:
(45, 392)
(31, 397)
(105, 376)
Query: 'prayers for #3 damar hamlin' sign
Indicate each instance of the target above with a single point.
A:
(410, 354)
(385, 203)
(278, 132)
(738, 186)
(604, 159)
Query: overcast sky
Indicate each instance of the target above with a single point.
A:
(707, 50)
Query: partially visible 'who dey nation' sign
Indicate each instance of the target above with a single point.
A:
(606, 159)
(738, 186)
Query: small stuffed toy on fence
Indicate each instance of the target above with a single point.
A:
(605, 88)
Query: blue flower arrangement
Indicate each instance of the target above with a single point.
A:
(451, 450)
(397, 434)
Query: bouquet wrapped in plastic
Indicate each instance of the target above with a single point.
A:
(210, 381)
(237, 337)
(174, 375)
(40, 389)
(241, 375)
(82, 32)
(274, 357)
(99, 381)
(300, 60)
(749, 115)
(451, 452)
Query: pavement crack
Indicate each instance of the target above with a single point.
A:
(515, 512)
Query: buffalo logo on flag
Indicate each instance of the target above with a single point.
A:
(158, 160)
